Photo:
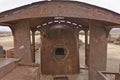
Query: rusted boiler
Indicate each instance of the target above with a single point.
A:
(60, 52)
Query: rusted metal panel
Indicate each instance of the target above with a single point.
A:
(22, 42)
(117, 77)
(86, 49)
(23, 73)
(56, 40)
(98, 50)
(61, 8)
(10, 53)
(6, 66)
(33, 46)
(101, 76)
(104, 75)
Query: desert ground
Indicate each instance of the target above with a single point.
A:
(113, 51)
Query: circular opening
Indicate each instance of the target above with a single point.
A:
(60, 52)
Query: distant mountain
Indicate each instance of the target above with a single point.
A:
(4, 29)
(115, 30)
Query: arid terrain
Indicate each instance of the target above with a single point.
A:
(113, 54)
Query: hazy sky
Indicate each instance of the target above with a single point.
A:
(113, 5)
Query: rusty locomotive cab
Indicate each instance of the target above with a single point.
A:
(59, 23)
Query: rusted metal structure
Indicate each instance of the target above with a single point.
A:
(59, 50)
(59, 23)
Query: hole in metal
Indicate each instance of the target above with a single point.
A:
(60, 78)
(59, 51)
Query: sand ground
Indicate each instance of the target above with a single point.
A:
(113, 52)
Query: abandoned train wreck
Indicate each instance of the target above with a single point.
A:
(59, 23)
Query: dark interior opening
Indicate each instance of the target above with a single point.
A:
(59, 51)
(60, 78)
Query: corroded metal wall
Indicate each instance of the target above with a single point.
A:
(98, 50)
(60, 8)
(22, 42)
(59, 36)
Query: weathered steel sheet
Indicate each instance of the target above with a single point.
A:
(98, 50)
(54, 39)
(60, 8)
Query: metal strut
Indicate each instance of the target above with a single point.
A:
(107, 30)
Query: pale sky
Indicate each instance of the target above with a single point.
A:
(113, 5)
